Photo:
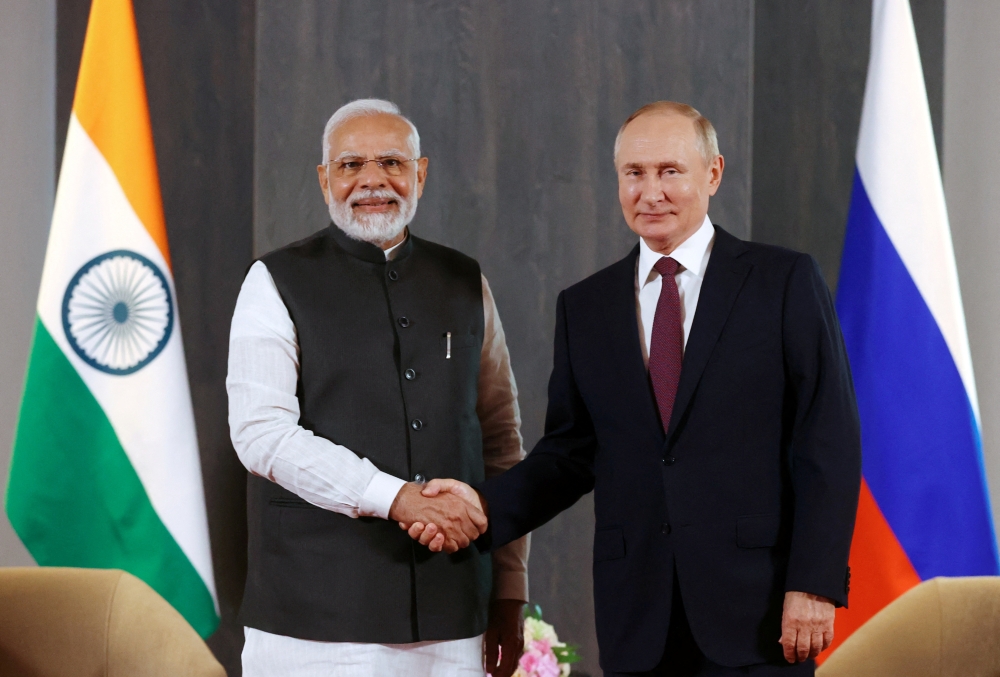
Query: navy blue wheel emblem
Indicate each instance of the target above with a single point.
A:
(117, 312)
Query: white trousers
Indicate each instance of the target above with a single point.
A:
(267, 655)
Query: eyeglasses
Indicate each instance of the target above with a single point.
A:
(391, 165)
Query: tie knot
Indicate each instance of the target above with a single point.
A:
(667, 267)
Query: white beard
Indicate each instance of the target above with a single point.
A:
(373, 228)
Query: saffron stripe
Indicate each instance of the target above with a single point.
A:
(110, 103)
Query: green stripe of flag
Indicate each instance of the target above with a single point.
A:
(74, 497)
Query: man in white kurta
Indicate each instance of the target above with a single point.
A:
(266, 432)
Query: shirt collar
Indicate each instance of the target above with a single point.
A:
(690, 253)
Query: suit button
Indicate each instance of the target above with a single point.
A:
(410, 374)
(393, 275)
(669, 460)
(419, 479)
(403, 322)
(665, 528)
(416, 424)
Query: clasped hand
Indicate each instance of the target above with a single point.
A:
(443, 514)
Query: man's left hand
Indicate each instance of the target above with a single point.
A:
(504, 639)
(806, 626)
(429, 534)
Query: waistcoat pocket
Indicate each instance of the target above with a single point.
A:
(292, 503)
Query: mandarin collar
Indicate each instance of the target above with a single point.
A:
(366, 251)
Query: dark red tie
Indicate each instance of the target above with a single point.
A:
(666, 348)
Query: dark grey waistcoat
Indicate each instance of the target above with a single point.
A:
(375, 376)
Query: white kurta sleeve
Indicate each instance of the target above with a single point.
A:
(500, 419)
(264, 412)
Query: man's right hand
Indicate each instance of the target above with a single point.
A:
(456, 522)
(429, 533)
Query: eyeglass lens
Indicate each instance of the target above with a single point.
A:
(393, 166)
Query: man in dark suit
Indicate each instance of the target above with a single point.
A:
(701, 389)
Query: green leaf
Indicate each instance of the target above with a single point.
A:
(533, 611)
(567, 654)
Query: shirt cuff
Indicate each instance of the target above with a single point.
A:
(379, 495)
(510, 585)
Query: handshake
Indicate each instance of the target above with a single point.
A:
(442, 514)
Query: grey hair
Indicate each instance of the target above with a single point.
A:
(363, 107)
(708, 141)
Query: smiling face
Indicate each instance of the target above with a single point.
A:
(664, 182)
(372, 205)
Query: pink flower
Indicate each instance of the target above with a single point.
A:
(539, 661)
(529, 661)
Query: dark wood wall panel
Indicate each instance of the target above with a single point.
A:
(810, 65)
(811, 58)
(198, 61)
(928, 20)
(518, 104)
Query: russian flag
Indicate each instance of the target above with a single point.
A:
(924, 508)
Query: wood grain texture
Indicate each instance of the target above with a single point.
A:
(810, 66)
(518, 104)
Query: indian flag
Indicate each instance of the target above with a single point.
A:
(105, 470)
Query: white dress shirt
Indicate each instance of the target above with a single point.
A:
(265, 430)
(692, 255)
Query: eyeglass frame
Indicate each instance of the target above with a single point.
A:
(364, 163)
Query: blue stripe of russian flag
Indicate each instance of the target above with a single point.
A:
(920, 439)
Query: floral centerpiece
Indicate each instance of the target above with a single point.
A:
(544, 655)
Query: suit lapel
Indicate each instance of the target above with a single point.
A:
(724, 278)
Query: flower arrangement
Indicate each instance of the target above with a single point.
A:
(544, 655)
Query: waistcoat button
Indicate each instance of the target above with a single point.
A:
(403, 322)
(393, 275)
(419, 479)
(416, 424)
(669, 460)
(665, 528)
(410, 374)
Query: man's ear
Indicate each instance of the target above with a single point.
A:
(421, 176)
(715, 174)
(324, 182)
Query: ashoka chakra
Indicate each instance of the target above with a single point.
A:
(117, 312)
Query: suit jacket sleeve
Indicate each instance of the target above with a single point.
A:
(825, 437)
(558, 471)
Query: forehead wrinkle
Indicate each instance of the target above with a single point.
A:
(654, 163)
(396, 131)
(658, 164)
(354, 154)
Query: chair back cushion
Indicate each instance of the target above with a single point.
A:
(944, 627)
(93, 622)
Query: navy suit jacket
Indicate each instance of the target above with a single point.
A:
(752, 491)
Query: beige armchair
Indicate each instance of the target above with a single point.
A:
(943, 627)
(57, 622)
